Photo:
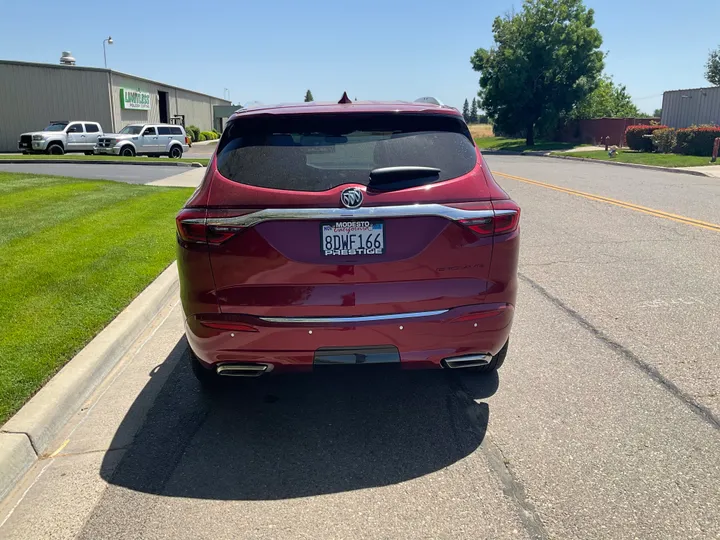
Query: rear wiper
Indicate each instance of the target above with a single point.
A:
(406, 176)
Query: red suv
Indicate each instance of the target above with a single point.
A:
(347, 233)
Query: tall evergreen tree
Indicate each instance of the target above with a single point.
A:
(466, 111)
(474, 112)
(309, 96)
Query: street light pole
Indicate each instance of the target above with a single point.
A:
(109, 41)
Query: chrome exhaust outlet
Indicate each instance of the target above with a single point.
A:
(243, 370)
(473, 360)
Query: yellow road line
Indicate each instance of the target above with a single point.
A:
(60, 449)
(630, 206)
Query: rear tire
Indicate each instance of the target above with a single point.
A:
(127, 151)
(55, 149)
(175, 152)
(208, 378)
(494, 364)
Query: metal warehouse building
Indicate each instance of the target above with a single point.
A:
(694, 106)
(32, 95)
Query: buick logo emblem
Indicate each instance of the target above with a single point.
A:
(351, 198)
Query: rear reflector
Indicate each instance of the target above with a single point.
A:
(481, 314)
(221, 321)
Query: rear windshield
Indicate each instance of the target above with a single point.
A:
(320, 152)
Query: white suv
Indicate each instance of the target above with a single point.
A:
(145, 140)
(62, 136)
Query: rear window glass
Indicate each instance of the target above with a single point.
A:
(320, 152)
(176, 131)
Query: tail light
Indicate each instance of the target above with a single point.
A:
(187, 139)
(505, 219)
(192, 227)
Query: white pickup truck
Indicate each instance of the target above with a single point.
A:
(62, 136)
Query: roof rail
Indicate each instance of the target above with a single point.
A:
(429, 99)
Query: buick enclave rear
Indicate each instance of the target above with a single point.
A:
(349, 233)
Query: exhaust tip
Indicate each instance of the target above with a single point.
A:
(243, 370)
(473, 360)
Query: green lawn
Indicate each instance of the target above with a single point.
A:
(83, 157)
(518, 145)
(644, 158)
(73, 254)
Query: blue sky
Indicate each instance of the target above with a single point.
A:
(272, 51)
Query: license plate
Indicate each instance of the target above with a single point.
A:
(353, 238)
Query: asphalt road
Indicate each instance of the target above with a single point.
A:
(131, 174)
(603, 422)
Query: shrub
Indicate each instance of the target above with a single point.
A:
(201, 137)
(194, 132)
(697, 140)
(664, 140)
(209, 135)
(634, 135)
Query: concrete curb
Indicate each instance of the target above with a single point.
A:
(598, 161)
(26, 436)
(169, 163)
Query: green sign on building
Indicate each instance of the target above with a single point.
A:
(134, 99)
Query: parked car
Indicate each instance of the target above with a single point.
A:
(145, 139)
(350, 233)
(61, 137)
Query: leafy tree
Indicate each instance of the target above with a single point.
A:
(309, 96)
(712, 67)
(466, 111)
(608, 100)
(657, 112)
(545, 59)
(473, 112)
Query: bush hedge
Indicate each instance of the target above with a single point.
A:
(201, 138)
(664, 140)
(697, 140)
(209, 135)
(634, 136)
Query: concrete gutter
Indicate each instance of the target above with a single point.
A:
(169, 163)
(683, 170)
(26, 436)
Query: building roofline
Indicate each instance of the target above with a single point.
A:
(691, 89)
(103, 70)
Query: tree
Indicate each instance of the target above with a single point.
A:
(545, 59)
(473, 112)
(309, 96)
(712, 67)
(466, 111)
(657, 112)
(608, 100)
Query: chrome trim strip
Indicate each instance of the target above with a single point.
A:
(367, 212)
(364, 318)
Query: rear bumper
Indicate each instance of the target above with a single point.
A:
(423, 342)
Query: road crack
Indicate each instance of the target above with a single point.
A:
(651, 371)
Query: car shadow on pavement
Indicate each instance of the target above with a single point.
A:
(293, 436)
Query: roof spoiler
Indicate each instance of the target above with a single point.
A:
(429, 99)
